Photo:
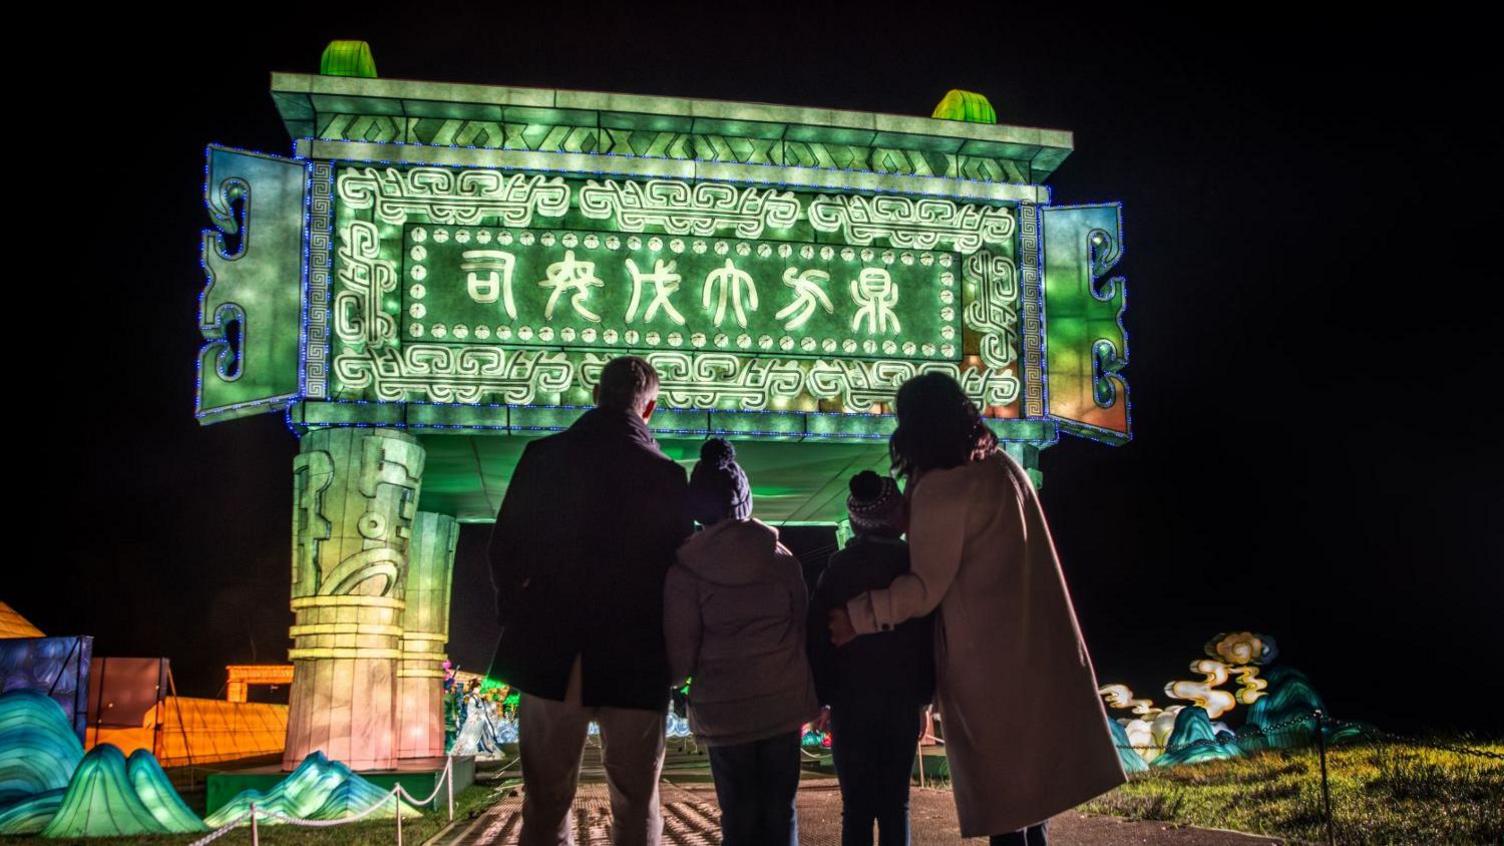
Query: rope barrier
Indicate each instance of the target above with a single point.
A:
(357, 817)
(220, 832)
(507, 766)
(1281, 727)
(398, 793)
(438, 785)
(1390, 737)
(1369, 731)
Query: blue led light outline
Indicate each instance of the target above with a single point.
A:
(805, 434)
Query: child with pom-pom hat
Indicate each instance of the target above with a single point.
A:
(734, 611)
(877, 687)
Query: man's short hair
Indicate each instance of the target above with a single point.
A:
(627, 383)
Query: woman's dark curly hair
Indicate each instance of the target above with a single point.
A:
(939, 427)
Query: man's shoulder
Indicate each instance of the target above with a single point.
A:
(546, 444)
(540, 460)
(669, 469)
(573, 448)
(570, 442)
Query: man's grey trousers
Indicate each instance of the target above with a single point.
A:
(551, 735)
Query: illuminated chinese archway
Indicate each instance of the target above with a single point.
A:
(440, 272)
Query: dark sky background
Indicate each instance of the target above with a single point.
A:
(1313, 294)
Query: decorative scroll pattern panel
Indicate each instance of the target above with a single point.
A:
(1086, 345)
(747, 298)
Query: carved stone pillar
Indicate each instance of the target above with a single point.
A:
(355, 494)
(425, 631)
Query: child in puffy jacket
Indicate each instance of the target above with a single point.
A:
(877, 686)
(734, 612)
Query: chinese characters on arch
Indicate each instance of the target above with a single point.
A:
(468, 284)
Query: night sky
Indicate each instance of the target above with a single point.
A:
(1313, 296)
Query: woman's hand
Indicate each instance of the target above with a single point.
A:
(841, 630)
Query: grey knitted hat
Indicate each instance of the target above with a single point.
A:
(875, 504)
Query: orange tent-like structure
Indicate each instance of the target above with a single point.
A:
(201, 731)
(13, 624)
(184, 730)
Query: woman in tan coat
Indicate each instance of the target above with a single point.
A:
(1025, 731)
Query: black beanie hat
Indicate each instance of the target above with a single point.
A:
(717, 487)
(875, 504)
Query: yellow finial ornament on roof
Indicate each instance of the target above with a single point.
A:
(964, 105)
(348, 58)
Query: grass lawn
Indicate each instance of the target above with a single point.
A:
(1380, 794)
(374, 832)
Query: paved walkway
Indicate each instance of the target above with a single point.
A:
(692, 819)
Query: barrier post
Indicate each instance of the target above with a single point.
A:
(397, 800)
(1326, 790)
(449, 775)
(255, 833)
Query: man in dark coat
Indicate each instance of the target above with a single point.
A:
(590, 524)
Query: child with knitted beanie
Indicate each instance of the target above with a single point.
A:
(734, 611)
(878, 686)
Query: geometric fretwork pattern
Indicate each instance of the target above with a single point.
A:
(320, 234)
(705, 147)
(1033, 317)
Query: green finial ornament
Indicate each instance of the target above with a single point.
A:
(348, 58)
(964, 105)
